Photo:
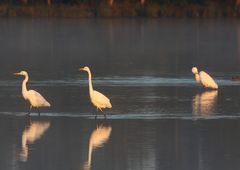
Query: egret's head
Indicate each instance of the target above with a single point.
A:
(194, 70)
(21, 73)
(85, 69)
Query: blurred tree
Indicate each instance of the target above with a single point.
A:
(111, 2)
(25, 2)
(238, 2)
(49, 2)
(142, 2)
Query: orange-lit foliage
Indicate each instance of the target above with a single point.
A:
(119, 8)
(238, 2)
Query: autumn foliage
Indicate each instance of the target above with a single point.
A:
(120, 8)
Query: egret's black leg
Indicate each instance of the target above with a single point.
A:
(29, 119)
(96, 114)
(26, 104)
(38, 111)
(105, 116)
(29, 110)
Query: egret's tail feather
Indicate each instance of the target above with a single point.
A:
(47, 104)
(109, 105)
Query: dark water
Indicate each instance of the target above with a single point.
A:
(161, 119)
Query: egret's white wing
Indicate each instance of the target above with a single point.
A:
(207, 80)
(100, 99)
(36, 99)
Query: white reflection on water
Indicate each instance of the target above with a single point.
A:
(204, 104)
(98, 137)
(30, 135)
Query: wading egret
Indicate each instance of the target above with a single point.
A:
(35, 98)
(99, 100)
(205, 79)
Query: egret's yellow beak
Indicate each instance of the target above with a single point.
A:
(17, 74)
(81, 69)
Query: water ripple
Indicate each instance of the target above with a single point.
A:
(129, 116)
(121, 81)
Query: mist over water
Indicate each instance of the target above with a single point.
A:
(161, 119)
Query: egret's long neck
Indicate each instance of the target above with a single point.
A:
(24, 85)
(90, 81)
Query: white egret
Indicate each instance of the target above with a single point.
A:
(205, 79)
(35, 98)
(99, 100)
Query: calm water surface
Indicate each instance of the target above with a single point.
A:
(161, 119)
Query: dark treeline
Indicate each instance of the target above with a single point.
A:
(119, 8)
(72, 2)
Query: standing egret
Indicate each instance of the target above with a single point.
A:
(35, 98)
(99, 100)
(205, 79)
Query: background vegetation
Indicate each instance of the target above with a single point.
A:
(120, 8)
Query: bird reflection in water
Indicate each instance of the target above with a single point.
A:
(204, 104)
(98, 137)
(33, 132)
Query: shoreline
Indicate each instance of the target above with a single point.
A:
(120, 10)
